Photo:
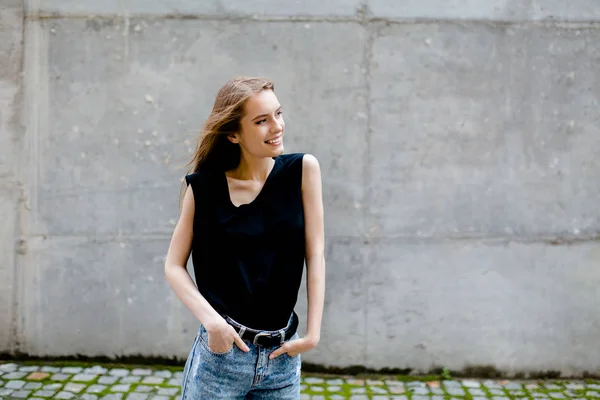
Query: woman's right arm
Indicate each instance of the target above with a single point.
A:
(175, 265)
(182, 283)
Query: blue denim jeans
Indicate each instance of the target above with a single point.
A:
(239, 375)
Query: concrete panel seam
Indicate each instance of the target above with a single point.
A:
(361, 17)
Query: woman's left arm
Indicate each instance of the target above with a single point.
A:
(312, 200)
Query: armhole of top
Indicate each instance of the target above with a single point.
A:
(301, 173)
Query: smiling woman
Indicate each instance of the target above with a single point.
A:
(251, 218)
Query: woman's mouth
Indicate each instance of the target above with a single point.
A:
(275, 142)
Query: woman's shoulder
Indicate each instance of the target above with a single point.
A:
(202, 175)
(291, 159)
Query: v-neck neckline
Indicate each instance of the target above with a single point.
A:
(228, 192)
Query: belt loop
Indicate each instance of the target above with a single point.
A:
(282, 333)
(242, 331)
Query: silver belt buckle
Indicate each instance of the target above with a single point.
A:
(260, 335)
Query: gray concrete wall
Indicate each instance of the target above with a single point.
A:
(11, 184)
(459, 144)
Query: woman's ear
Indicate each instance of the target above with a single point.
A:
(233, 138)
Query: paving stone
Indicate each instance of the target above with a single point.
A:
(35, 398)
(500, 398)
(64, 395)
(153, 380)
(137, 396)
(29, 368)
(96, 388)
(397, 389)
(419, 397)
(32, 385)
(456, 391)
(6, 392)
(108, 380)
(355, 382)
(89, 397)
(492, 384)
(437, 398)
(334, 388)
(174, 382)
(45, 393)
(10, 367)
(160, 398)
(21, 394)
(318, 397)
(304, 397)
(399, 398)
(358, 390)
(379, 390)
(121, 388)
(163, 374)
(476, 392)
(316, 388)
(556, 395)
(452, 384)
(50, 369)
(37, 376)
(359, 397)
(95, 370)
(437, 391)
(422, 391)
(552, 386)
(131, 379)
(337, 397)
(144, 389)
(53, 386)
(372, 382)
(394, 383)
(538, 395)
(592, 393)
(71, 370)
(480, 398)
(118, 372)
(334, 381)
(15, 375)
(60, 377)
(74, 387)
(575, 386)
(168, 391)
(416, 384)
(471, 384)
(178, 375)
(513, 385)
(113, 396)
(141, 372)
(83, 378)
(593, 386)
(497, 392)
(14, 384)
(312, 380)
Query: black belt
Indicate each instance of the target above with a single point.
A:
(265, 338)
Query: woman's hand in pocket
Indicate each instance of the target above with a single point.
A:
(222, 337)
(294, 347)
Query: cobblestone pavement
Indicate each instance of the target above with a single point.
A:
(56, 381)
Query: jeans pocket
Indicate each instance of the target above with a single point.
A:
(205, 346)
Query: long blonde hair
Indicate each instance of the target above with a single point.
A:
(213, 148)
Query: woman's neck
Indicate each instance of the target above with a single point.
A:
(252, 168)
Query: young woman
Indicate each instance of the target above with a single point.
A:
(251, 218)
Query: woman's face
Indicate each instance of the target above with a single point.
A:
(262, 126)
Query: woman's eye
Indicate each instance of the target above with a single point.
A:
(262, 121)
(280, 113)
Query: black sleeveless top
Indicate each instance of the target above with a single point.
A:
(248, 260)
